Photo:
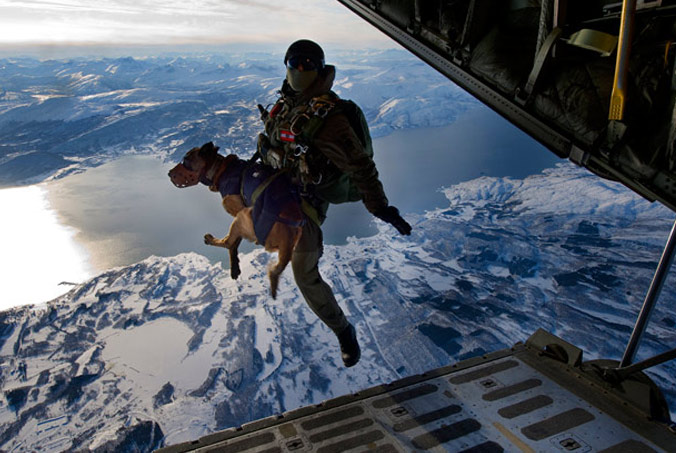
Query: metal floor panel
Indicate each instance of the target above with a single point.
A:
(499, 405)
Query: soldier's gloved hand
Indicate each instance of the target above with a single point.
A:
(390, 214)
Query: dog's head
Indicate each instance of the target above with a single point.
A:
(193, 166)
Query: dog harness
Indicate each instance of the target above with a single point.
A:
(265, 189)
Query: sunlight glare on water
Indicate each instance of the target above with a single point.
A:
(38, 253)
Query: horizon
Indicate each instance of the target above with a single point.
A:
(74, 27)
(97, 51)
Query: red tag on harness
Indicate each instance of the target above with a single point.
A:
(275, 109)
(286, 136)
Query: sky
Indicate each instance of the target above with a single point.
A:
(110, 23)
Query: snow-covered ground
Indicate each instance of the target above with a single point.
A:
(174, 346)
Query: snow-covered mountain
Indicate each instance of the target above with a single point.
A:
(171, 348)
(61, 116)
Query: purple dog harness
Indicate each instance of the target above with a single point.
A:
(266, 189)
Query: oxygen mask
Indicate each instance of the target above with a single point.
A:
(301, 72)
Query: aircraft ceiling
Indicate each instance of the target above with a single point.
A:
(593, 81)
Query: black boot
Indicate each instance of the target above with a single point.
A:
(349, 346)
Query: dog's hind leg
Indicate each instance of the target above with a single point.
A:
(234, 259)
(283, 257)
(276, 270)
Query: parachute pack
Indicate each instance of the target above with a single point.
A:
(343, 189)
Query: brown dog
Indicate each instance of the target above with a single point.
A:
(272, 203)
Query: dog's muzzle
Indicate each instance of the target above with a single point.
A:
(182, 177)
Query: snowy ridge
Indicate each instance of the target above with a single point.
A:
(563, 184)
(62, 116)
(170, 349)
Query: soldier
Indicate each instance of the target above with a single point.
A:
(324, 143)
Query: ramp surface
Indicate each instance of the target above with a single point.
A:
(504, 402)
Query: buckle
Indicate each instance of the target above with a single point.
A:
(294, 127)
(321, 107)
(307, 178)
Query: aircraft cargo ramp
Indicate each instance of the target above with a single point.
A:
(534, 397)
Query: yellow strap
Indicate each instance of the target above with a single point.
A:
(595, 40)
(310, 211)
(264, 185)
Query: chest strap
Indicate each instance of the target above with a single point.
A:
(261, 188)
(307, 123)
(264, 185)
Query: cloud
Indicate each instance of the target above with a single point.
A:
(174, 21)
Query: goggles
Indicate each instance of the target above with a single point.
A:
(303, 63)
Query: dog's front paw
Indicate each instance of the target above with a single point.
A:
(209, 239)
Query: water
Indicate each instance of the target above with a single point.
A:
(39, 254)
(127, 210)
(415, 164)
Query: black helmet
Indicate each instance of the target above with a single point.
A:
(308, 49)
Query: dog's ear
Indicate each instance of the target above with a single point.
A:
(208, 149)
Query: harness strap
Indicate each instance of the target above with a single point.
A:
(293, 223)
(310, 212)
(217, 170)
(306, 123)
(264, 185)
(241, 183)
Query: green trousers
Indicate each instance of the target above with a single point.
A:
(317, 293)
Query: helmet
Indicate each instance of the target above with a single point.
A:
(308, 49)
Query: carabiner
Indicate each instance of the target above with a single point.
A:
(294, 123)
(300, 150)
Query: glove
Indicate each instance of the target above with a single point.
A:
(390, 214)
(269, 155)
